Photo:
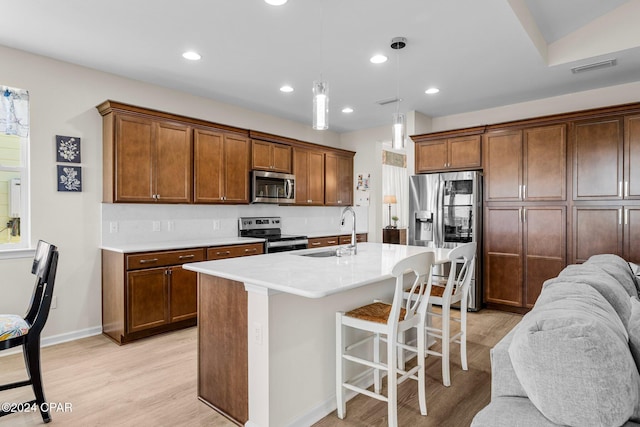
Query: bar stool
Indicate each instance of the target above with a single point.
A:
(445, 293)
(387, 323)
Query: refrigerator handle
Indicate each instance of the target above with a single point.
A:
(439, 226)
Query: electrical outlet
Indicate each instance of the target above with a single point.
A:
(54, 302)
(156, 225)
(113, 227)
(216, 224)
(171, 226)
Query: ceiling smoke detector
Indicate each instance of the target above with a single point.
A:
(398, 42)
(594, 66)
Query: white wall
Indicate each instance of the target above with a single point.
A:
(63, 99)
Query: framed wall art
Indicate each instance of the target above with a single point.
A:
(67, 149)
(69, 178)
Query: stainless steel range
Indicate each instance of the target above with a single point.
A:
(269, 228)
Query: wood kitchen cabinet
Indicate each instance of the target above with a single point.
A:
(524, 247)
(146, 160)
(232, 251)
(148, 293)
(221, 167)
(338, 179)
(598, 149)
(606, 230)
(320, 242)
(526, 165)
(308, 167)
(451, 153)
(269, 156)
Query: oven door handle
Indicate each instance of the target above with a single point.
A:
(287, 243)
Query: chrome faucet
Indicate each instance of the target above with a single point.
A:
(354, 245)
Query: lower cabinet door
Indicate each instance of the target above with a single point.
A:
(183, 294)
(503, 256)
(147, 299)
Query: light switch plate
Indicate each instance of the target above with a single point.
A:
(156, 225)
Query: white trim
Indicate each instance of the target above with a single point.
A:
(59, 339)
(328, 406)
(17, 253)
(250, 424)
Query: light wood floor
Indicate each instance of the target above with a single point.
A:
(152, 382)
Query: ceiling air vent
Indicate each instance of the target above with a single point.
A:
(388, 101)
(594, 66)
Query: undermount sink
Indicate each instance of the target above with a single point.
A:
(321, 254)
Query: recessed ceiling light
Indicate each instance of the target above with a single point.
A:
(432, 90)
(191, 55)
(275, 2)
(378, 59)
(347, 110)
(286, 89)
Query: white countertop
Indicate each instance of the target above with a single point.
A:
(314, 277)
(180, 244)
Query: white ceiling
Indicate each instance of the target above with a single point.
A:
(480, 54)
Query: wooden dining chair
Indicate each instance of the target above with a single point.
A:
(16, 330)
(445, 293)
(387, 323)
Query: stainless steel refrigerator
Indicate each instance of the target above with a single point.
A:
(445, 211)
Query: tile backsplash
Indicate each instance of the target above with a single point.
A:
(134, 223)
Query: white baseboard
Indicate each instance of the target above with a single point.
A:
(59, 339)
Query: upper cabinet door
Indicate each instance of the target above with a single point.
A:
(152, 161)
(545, 160)
(261, 155)
(209, 166)
(503, 166)
(338, 180)
(431, 156)
(464, 152)
(236, 159)
(597, 159)
(308, 167)
(270, 156)
(134, 159)
(632, 157)
(173, 163)
(281, 158)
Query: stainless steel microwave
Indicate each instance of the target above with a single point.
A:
(272, 187)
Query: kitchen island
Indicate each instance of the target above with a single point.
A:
(266, 328)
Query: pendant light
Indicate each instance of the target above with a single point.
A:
(321, 91)
(398, 127)
(320, 105)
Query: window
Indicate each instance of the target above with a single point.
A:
(14, 145)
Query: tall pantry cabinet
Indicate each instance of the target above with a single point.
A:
(606, 214)
(525, 212)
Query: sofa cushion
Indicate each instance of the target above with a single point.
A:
(509, 412)
(618, 268)
(634, 343)
(594, 276)
(572, 358)
(634, 330)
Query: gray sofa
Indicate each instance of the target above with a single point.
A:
(574, 358)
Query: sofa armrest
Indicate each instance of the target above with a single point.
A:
(510, 412)
(504, 381)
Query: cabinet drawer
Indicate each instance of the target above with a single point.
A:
(222, 252)
(346, 240)
(319, 242)
(164, 258)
